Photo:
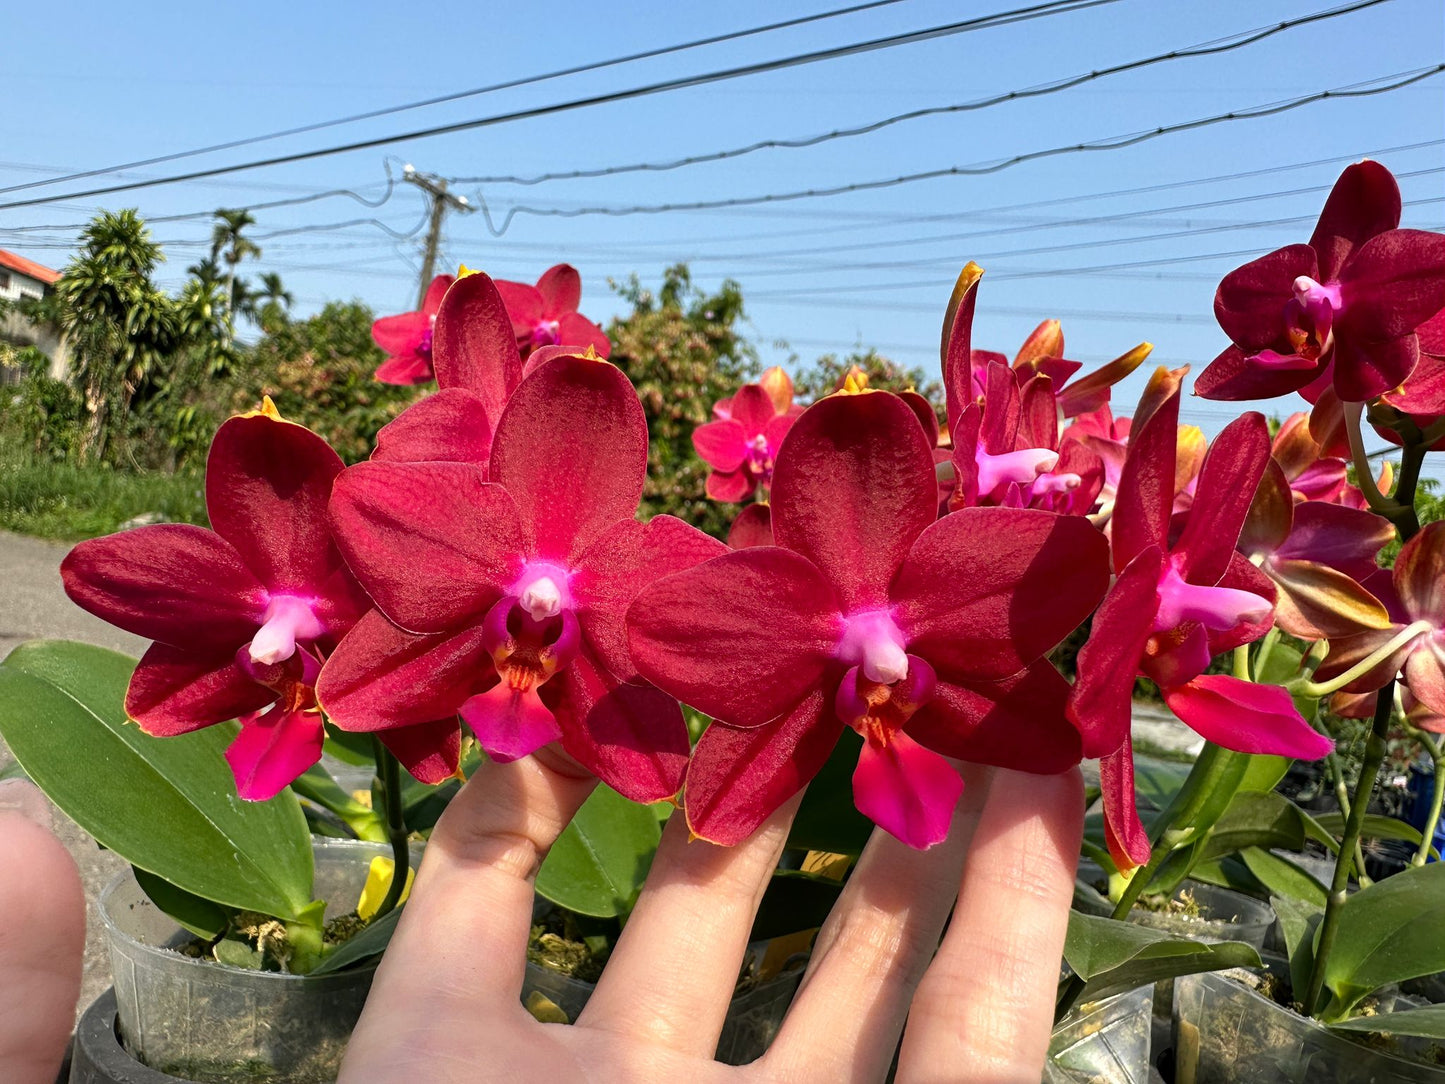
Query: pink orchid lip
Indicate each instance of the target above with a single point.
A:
(527, 651)
(876, 716)
(873, 641)
(286, 619)
(1217, 608)
(1064, 482)
(547, 333)
(1021, 466)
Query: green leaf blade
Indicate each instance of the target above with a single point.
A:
(600, 860)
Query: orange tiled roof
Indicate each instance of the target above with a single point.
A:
(23, 266)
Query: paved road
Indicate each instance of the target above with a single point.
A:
(33, 606)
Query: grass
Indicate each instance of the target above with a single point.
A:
(67, 502)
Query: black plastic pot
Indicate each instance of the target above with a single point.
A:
(97, 1056)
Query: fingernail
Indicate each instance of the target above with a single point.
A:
(24, 797)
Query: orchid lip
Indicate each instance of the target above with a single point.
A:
(1216, 608)
(286, 619)
(1021, 466)
(874, 642)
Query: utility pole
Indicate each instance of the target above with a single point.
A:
(441, 201)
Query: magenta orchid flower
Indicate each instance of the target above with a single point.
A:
(502, 589)
(407, 338)
(1313, 475)
(925, 636)
(546, 314)
(741, 443)
(1174, 606)
(1412, 643)
(243, 615)
(1341, 311)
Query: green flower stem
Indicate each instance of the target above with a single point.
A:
(1318, 690)
(388, 776)
(1369, 771)
(1437, 793)
(1266, 649)
(1342, 799)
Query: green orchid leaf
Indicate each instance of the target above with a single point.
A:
(1282, 877)
(1157, 782)
(1255, 819)
(1263, 773)
(1282, 665)
(367, 945)
(1389, 932)
(316, 785)
(1427, 1022)
(166, 805)
(1298, 920)
(600, 860)
(1113, 956)
(1375, 826)
(203, 918)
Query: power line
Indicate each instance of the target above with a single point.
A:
(1403, 79)
(1208, 48)
(458, 95)
(1004, 18)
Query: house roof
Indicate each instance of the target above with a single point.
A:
(21, 265)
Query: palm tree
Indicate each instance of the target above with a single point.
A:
(271, 304)
(227, 244)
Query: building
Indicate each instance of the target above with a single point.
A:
(21, 279)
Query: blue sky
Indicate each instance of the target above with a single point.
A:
(103, 84)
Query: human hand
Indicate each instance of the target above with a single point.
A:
(42, 938)
(446, 1002)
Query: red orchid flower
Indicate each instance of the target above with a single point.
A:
(1175, 606)
(478, 366)
(546, 314)
(243, 615)
(923, 635)
(1108, 438)
(502, 590)
(1313, 472)
(742, 441)
(1412, 643)
(1318, 554)
(407, 338)
(1340, 311)
(1007, 451)
(753, 526)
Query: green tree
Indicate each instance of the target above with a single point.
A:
(825, 376)
(121, 328)
(228, 245)
(682, 350)
(269, 306)
(320, 373)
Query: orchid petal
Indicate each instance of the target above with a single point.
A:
(1091, 392)
(510, 723)
(1344, 538)
(272, 749)
(907, 790)
(853, 487)
(1123, 831)
(1246, 717)
(524, 306)
(722, 445)
(738, 777)
(1102, 699)
(730, 487)
(1391, 285)
(571, 449)
(741, 637)
(957, 353)
(405, 369)
(450, 426)
(432, 543)
(1249, 303)
(473, 345)
(1364, 202)
(1146, 484)
(397, 335)
(1425, 672)
(752, 527)
(577, 332)
(170, 582)
(1317, 602)
(380, 676)
(622, 561)
(267, 485)
(1235, 374)
(1420, 574)
(431, 752)
(560, 288)
(1016, 723)
(1227, 484)
(1271, 513)
(1031, 578)
(174, 691)
(631, 736)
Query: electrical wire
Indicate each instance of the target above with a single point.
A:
(1402, 80)
(1004, 18)
(442, 99)
(1208, 48)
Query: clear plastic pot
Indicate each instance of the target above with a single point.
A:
(207, 1022)
(1226, 1033)
(1224, 915)
(1104, 1042)
(753, 1018)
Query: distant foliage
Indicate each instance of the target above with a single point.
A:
(319, 373)
(682, 350)
(825, 376)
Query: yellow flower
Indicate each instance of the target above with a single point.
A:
(378, 882)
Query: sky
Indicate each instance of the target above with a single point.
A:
(1123, 245)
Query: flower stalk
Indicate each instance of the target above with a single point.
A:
(388, 777)
(1437, 793)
